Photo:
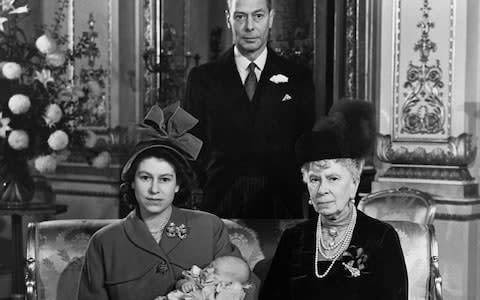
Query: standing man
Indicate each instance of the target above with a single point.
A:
(252, 105)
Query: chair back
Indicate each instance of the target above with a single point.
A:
(399, 204)
(420, 250)
(55, 251)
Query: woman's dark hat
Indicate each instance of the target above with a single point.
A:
(166, 129)
(349, 131)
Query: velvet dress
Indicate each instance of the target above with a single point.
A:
(374, 250)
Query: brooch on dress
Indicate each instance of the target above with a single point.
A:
(354, 260)
(172, 230)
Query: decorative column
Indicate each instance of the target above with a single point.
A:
(429, 51)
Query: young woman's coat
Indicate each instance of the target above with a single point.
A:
(124, 262)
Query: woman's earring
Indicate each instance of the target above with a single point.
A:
(310, 201)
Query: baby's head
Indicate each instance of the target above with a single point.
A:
(230, 269)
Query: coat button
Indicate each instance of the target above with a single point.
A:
(162, 267)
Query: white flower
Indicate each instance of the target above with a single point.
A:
(102, 160)
(53, 114)
(2, 20)
(45, 163)
(55, 59)
(4, 126)
(58, 140)
(90, 139)
(19, 10)
(44, 77)
(8, 4)
(45, 44)
(19, 104)
(279, 78)
(18, 139)
(94, 88)
(11, 70)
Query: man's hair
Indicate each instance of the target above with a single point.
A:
(269, 4)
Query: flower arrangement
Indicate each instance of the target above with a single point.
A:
(40, 106)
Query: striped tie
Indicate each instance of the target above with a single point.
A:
(251, 81)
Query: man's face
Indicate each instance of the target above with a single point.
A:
(250, 21)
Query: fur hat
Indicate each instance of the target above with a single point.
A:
(349, 131)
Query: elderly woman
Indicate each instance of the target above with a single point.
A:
(342, 254)
(143, 255)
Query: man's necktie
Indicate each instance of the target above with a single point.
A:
(251, 81)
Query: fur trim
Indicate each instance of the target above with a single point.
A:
(349, 131)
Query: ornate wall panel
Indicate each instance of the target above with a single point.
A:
(423, 69)
(92, 22)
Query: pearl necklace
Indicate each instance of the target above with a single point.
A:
(343, 244)
(157, 234)
(332, 232)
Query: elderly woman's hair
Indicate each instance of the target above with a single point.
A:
(353, 165)
(184, 174)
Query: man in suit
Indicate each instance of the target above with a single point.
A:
(251, 105)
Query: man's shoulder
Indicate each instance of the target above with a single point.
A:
(289, 66)
(214, 65)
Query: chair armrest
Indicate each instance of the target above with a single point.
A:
(436, 279)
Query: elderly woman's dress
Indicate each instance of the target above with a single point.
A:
(374, 250)
(124, 262)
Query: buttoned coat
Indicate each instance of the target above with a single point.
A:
(124, 262)
(250, 139)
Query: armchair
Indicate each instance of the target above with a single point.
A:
(411, 212)
(399, 204)
(55, 251)
(420, 250)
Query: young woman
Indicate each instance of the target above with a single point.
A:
(143, 255)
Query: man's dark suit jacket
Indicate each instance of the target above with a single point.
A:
(247, 165)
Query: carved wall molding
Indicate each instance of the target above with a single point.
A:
(351, 44)
(460, 174)
(457, 151)
(423, 92)
(80, 17)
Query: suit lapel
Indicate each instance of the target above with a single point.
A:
(137, 231)
(168, 243)
(227, 75)
(271, 68)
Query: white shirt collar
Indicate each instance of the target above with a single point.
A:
(242, 63)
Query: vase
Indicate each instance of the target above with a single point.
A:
(16, 182)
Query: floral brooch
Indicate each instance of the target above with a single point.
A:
(172, 230)
(354, 260)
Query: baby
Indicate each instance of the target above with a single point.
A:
(224, 278)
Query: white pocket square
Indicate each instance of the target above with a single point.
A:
(286, 97)
(279, 78)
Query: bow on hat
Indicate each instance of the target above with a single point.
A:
(170, 125)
